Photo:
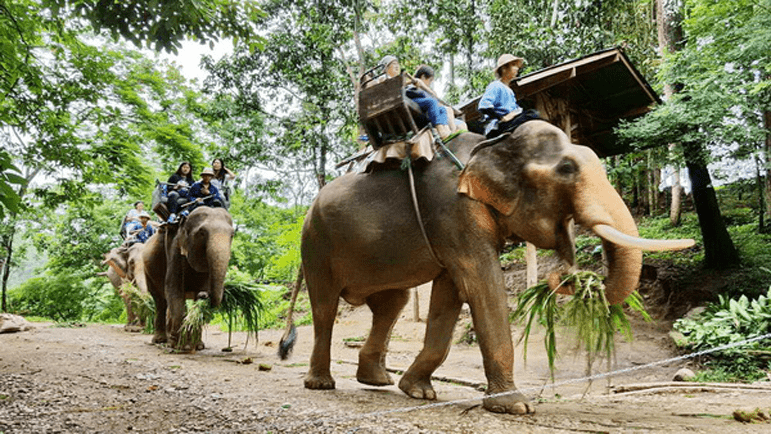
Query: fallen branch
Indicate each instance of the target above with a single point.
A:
(684, 389)
(675, 384)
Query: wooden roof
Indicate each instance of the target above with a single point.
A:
(587, 97)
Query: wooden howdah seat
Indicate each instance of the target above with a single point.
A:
(386, 113)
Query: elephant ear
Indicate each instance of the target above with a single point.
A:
(489, 176)
(182, 236)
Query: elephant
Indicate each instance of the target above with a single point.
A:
(187, 261)
(362, 241)
(126, 265)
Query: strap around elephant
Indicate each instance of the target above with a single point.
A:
(407, 161)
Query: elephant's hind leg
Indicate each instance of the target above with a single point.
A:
(443, 313)
(385, 307)
(324, 307)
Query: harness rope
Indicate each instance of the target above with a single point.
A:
(414, 195)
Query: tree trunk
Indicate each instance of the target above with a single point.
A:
(7, 246)
(651, 184)
(761, 195)
(719, 250)
(670, 36)
(677, 199)
(767, 152)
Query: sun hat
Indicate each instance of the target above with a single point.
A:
(207, 171)
(144, 214)
(385, 61)
(505, 59)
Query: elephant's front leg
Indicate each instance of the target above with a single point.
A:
(489, 311)
(175, 300)
(385, 307)
(443, 313)
(159, 336)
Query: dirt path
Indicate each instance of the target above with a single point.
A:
(101, 379)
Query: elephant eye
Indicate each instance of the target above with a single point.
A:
(567, 167)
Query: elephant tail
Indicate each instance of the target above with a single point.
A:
(290, 334)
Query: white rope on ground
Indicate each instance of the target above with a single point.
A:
(553, 385)
(335, 420)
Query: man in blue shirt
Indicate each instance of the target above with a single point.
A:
(499, 102)
(140, 231)
(204, 192)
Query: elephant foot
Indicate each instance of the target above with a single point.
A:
(418, 389)
(199, 346)
(515, 403)
(319, 382)
(373, 375)
(160, 338)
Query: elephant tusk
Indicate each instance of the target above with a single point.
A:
(617, 237)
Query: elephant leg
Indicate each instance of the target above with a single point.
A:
(130, 317)
(489, 311)
(386, 307)
(175, 299)
(159, 335)
(324, 307)
(444, 309)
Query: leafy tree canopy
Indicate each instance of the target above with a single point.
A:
(163, 24)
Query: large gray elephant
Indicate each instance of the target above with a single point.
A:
(361, 241)
(189, 260)
(126, 265)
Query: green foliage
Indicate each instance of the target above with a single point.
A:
(164, 24)
(199, 313)
(242, 303)
(723, 69)
(586, 312)
(142, 305)
(277, 304)
(66, 297)
(9, 177)
(730, 321)
(266, 244)
(659, 227)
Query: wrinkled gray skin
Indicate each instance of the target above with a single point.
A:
(361, 242)
(127, 263)
(187, 261)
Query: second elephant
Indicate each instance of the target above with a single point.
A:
(126, 264)
(187, 261)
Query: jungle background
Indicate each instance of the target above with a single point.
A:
(91, 116)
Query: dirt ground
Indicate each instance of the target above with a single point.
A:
(102, 379)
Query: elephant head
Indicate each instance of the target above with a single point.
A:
(204, 240)
(540, 183)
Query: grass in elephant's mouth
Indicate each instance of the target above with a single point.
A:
(586, 312)
(241, 304)
(199, 313)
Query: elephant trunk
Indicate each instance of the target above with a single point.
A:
(600, 207)
(218, 255)
(624, 266)
(140, 281)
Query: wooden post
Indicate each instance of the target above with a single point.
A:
(532, 265)
(415, 305)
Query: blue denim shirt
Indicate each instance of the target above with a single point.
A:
(498, 100)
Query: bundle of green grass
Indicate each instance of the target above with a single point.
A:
(142, 304)
(587, 312)
(241, 305)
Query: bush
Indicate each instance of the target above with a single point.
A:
(729, 321)
(59, 297)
